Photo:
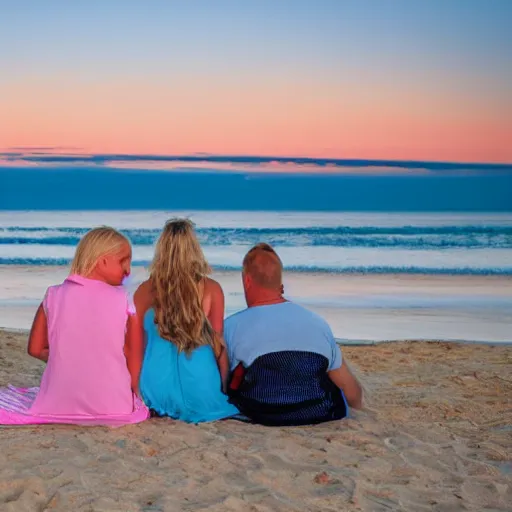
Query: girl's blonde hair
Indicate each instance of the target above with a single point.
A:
(94, 244)
(178, 268)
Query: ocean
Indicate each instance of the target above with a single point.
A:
(374, 276)
(383, 250)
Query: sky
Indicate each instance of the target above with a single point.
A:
(369, 79)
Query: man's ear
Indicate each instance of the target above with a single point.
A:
(246, 279)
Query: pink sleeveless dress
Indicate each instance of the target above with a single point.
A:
(86, 380)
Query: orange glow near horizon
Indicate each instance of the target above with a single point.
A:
(263, 119)
(424, 81)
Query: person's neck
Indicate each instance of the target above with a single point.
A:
(96, 276)
(266, 300)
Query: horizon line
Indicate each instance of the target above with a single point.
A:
(49, 155)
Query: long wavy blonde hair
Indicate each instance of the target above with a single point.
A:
(178, 268)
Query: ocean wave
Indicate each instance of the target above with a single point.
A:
(413, 237)
(478, 271)
(361, 230)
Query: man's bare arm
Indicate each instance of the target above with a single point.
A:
(345, 380)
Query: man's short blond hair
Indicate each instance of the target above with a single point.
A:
(264, 266)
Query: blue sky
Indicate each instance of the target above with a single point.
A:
(397, 79)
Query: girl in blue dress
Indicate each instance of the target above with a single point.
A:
(185, 367)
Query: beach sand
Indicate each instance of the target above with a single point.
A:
(436, 435)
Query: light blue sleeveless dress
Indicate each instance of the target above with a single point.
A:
(184, 387)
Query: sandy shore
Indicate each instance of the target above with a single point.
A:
(436, 436)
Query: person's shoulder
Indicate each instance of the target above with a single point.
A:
(212, 287)
(235, 325)
(117, 291)
(142, 297)
(120, 295)
(60, 289)
(295, 308)
(236, 317)
(144, 288)
(66, 284)
(54, 287)
(309, 315)
(49, 295)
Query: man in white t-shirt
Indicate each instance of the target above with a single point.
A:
(273, 331)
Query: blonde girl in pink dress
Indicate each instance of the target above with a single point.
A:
(87, 332)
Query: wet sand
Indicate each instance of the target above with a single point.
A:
(435, 435)
(358, 307)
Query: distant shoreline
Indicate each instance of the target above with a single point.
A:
(347, 342)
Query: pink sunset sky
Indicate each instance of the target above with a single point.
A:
(423, 83)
